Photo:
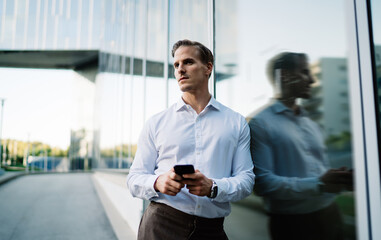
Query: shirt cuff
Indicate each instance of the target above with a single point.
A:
(313, 184)
(149, 185)
(221, 185)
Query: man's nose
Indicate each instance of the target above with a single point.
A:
(181, 68)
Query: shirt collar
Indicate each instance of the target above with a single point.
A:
(181, 105)
(214, 104)
(279, 107)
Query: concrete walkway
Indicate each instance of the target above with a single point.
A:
(6, 176)
(78, 206)
(52, 206)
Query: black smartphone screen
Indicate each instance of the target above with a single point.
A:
(183, 169)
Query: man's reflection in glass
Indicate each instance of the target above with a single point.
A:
(292, 170)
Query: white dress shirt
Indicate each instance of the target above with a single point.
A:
(216, 141)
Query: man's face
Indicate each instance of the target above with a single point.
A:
(191, 74)
(297, 83)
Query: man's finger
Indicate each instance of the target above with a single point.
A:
(175, 176)
(190, 182)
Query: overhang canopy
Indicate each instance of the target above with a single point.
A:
(57, 59)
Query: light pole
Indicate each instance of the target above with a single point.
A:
(1, 130)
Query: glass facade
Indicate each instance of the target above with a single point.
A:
(140, 42)
(376, 47)
(247, 37)
(135, 77)
(50, 24)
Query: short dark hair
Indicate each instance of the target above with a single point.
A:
(284, 61)
(206, 55)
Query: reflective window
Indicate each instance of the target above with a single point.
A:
(285, 69)
(376, 31)
(116, 85)
(137, 84)
(105, 113)
(155, 90)
(187, 20)
(39, 24)
(131, 86)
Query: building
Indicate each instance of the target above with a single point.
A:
(120, 52)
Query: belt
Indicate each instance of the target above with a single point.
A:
(200, 221)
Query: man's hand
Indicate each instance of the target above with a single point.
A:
(197, 183)
(169, 183)
(336, 180)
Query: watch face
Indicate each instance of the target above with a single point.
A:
(215, 189)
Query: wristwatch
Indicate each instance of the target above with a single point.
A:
(213, 190)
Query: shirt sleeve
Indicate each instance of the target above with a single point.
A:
(268, 183)
(141, 177)
(241, 182)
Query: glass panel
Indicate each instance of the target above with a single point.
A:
(155, 94)
(123, 85)
(140, 28)
(115, 84)
(156, 36)
(187, 20)
(376, 28)
(43, 24)
(299, 120)
(106, 112)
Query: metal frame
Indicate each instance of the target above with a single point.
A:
(364, 125)
(212, 45)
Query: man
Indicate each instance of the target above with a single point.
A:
(196, 130)
(290, 164)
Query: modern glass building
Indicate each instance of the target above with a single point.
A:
(122, 48)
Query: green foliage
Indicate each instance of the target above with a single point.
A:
(339, 142)
(346, 204)
(109, 152)
(15, 150)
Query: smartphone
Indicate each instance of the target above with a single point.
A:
(183, 169)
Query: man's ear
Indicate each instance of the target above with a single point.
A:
(286, 75)
(209, 66)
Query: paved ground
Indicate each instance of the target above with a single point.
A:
(52, 206)
(6, 176)
(67, 206)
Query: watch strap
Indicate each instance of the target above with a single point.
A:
(213, 190)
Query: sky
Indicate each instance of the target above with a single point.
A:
(266, 28)
(38, 105)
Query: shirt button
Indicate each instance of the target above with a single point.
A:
(198, 206)
(198, 153)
